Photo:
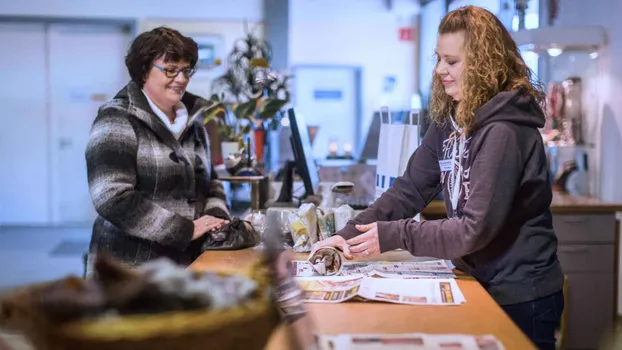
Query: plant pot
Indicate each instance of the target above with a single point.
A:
(260, 140)
(229, 148)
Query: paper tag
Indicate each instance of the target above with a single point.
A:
(445, 164)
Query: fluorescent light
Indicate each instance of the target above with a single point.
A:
(554, 51)
(594, 55)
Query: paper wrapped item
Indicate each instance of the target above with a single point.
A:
(303, 223)
(343, 214)
(326, 223)
(326, 261)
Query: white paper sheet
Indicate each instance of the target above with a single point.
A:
(409, 342)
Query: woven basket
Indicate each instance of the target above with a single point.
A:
(247, 326)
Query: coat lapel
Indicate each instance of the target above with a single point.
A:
(139, 108)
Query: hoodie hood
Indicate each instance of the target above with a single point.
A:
(510, 106)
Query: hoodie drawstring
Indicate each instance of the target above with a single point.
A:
(456, 177)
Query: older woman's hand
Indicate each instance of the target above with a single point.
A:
(365, 244)
(205, 224)
(334, 241)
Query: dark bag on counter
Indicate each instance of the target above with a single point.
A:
(237, 234)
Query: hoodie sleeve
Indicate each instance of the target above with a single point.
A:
(495, 175)
(410, 193)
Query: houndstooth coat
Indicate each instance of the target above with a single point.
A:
(146, 185)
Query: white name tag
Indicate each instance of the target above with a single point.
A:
(445, 164)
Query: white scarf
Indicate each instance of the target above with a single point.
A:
(178, 126)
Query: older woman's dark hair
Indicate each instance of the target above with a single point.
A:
(163, 42)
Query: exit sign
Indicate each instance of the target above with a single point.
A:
(406, 34)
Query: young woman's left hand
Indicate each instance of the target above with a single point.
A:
(366, 244)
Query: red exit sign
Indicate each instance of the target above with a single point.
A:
(406, 33)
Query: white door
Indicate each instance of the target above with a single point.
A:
(86, 69)
(24, 188)
(327, 97)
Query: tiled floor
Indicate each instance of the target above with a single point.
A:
(36, 254)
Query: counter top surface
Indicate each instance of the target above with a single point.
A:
(480, 315)
(562, 204)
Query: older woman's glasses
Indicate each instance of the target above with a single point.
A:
(173, 72)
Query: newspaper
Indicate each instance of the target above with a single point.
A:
(436, 268)
(409, 341)
(402, 291)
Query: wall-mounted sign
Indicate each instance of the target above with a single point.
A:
(406, 33)
(327, 94)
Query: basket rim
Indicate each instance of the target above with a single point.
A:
(161, 325)
(173, 324)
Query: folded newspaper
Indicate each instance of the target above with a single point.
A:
(436, 268)
(402, 291)
(409, 341)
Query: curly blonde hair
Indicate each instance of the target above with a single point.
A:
(493, 64)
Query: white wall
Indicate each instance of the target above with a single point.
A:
(360, 33)
(180, 9)
(493, 6)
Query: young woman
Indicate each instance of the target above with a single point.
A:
(148, 159)
(484, 151)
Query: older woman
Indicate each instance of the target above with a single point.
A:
(484, 151)
(148, 158)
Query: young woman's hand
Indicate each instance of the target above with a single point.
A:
(365, 244)
(205, 224)
(334, 241)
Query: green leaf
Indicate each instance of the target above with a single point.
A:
(270, 107)
(247, 109)
(214, 112)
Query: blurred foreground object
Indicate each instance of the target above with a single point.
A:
(157, 306)
(613, 340)
(300, 329)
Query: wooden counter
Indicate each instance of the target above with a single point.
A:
(588, 241)
(479, 315)
(561, 204)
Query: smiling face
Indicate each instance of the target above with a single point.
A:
(451, 61)
(162, 87)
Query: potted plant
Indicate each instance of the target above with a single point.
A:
(251, 93)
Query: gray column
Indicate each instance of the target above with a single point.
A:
(276, 24)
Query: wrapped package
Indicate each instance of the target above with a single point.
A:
(326, 261)
(326, 223)
(303, 223)
(343, 214)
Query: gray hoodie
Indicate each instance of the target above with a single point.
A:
(497, 193)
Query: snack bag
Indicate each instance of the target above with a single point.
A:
(326, 223)
(303, 223)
